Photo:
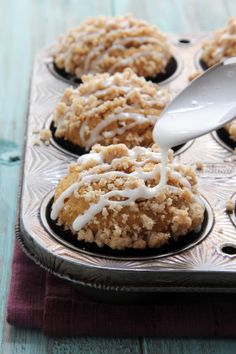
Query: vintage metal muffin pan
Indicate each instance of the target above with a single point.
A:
(206, 263)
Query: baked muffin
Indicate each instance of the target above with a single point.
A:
(231, 130)
(220, 47)
(111, 197)
(105, 109)
(111, 44)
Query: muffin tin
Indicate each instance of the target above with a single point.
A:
(205, 262)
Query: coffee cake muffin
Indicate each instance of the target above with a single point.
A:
(231, 130)
(220, 47)
(111, 197)
(110, 109)
(111, 44)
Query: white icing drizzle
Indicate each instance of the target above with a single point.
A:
(80, 37)
(107, 90)
(120, 44)
(218, 53)
(109, 85)
(228, 36)
(127, 120)
(88, 157)
(126, 195)
(223, 40)
(128, 61)
(96, 136)
(183, 181)
(96, 41)
(91, 65)
(99, 132)
(161, 97)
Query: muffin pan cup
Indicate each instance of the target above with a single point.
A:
(222, 137)
(75, 151)
(172, 247)
(172, 70)
(207, 265)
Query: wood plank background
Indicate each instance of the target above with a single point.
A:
(26, 26)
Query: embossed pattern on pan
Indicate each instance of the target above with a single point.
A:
(202, 267)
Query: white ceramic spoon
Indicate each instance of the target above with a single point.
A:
(208, 103)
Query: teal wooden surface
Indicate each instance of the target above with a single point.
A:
(25, 27)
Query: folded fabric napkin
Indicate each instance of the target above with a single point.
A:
(40, 300)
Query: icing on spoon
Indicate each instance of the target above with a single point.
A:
(208, 103)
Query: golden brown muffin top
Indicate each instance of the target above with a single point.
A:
(221, 46)
(112, 196)
(109, 109)
(111, 44)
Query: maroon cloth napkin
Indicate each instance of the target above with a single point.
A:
(40, 300)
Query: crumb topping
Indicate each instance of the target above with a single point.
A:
(110, 109)
(45, 134)
(111, 44)
(195, 75)
(231, 129)
(221, 46)
(199, 165)
(229, 206)
(109, 194)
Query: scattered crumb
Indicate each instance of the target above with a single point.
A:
(229, 206)
(36, 142)
(45, 134)
(199, 165)
(194, 75)
(220, 230)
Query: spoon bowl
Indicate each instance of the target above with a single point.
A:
(206, 104)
